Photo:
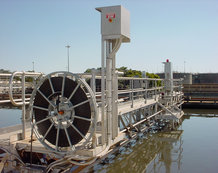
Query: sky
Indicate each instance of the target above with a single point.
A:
(183, 31)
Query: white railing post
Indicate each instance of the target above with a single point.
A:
(23, 107)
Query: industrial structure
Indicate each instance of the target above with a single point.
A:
(72, 124)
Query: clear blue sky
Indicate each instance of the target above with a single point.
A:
(180, 30)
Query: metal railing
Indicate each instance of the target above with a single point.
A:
(23, 101)
(131, 88)
(23, 76)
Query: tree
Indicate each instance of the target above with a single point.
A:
(4, 71)
(155, 76)
(130, 72)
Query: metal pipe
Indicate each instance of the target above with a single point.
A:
(147, 118)
(11, 89)
(8, 101)
(92, 82)
(23, 108)
(68, 58)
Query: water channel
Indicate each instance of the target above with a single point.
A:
(193, 147)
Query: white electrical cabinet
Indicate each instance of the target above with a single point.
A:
(115, 22)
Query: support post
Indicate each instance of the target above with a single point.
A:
(132, 94)
(155, 91)
(138, 118)
(23, 108)
(146, 92)
(93, 86)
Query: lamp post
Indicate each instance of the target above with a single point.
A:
(68, 56)
(33, 66)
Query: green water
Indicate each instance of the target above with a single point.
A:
(192, 148)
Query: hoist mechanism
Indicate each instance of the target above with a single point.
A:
(64, 112)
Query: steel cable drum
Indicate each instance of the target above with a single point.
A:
(64, 112)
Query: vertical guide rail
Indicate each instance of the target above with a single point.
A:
(115, 105)
(103, 90)
(112, 47)
(114, 94)
(109, 90)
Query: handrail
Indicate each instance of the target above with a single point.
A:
(23, 74)
(88, 76)
(23, 102)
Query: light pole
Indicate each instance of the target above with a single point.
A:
(33, 66)
(68, 56)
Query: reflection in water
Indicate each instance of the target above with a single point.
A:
(201, 112)
(147, 154)
(190, 148)
(170, 153)
(8, 106)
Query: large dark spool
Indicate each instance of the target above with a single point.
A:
(83, 110)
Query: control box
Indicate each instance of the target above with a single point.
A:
(115, 22)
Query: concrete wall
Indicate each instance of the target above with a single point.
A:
(197, 78)
(187, 77)
(205, 78)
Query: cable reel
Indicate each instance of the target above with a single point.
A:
(64, 112)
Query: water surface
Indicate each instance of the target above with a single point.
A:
(192, 148)
(9, 116)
